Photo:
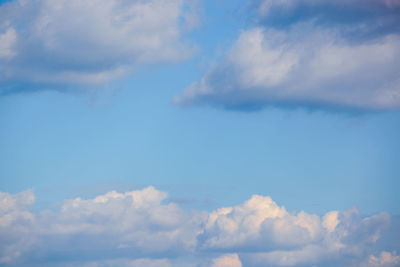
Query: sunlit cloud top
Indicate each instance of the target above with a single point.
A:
(142, 227)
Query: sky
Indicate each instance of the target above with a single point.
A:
(200, 133)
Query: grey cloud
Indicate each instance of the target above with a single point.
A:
(303, 67)
(355, 18)
(330, 55)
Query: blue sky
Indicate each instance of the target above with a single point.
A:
(212, 102)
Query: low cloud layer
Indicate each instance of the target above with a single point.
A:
(65, 43)
(141, 228)
(316, 54)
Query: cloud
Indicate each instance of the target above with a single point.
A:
(16, 222)
(141, 228)
(64, 43)
(7, 41)
(228, 260)
(355, 19)
(134, 223)
(306, 62)
(270, 234)
(285, 12)
(132, 263)
(385, 259)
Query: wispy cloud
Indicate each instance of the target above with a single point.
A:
(74, 43)
(141, 228)
(385, 259)
(313, 54)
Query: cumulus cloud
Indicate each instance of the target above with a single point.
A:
(16, 223)
(280, 238)
(65, 43)
(142, 228)
(134, 223)
(308, 62)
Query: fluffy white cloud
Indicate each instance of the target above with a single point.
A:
(63, 42)
(141, 228)
(302, 67)
(16, 222)
(281, 238)
(314, 54)
(134, 222)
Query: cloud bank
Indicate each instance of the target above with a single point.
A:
(65, 43)
(314, 54)
(141, 228)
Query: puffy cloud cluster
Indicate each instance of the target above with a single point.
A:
(272, 235)
(45, 43)
(314, 54)
(141, 228)
(134, 223)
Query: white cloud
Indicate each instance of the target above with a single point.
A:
(16, 222)
(227, 260)
(73, 42)
(7, 41)
(136, 220)
(385, 259)
(302, 67)
(332, 55)
(285, 239)
(139, 228)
